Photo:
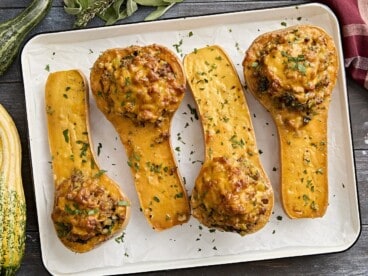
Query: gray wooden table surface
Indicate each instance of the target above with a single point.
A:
(353, 261)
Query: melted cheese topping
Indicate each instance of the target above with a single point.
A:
(296, 68)
(231, 195)
(139, 83)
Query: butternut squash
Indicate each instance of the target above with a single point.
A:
(139, 88)
(89, 207)
(292, 73)
(232, 191)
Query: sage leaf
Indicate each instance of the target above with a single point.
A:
(76, 5)
(114, 13)
(73, 11)
(132, 7)
(158, 12)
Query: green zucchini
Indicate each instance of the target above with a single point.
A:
(12, 200)
(13, 31)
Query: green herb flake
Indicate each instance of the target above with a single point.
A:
(179, 195)
(155, 198)
(236, 143)
(123, 203)
(178, 45)
(120, 239)
(92, 212)
(66, 135)
(193, 111)
(99, 173)
(155, 168)
(313, 206)
(319, 171)
(83, 149)
(306, 199)
(99, 147)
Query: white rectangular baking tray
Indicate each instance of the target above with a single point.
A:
(190, 244)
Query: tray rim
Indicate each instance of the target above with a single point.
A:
(213, 260)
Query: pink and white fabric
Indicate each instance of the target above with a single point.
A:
(353, 18)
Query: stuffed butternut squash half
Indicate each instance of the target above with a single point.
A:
(138, 89)
(232, 191)
(89, 207)
(292, 73)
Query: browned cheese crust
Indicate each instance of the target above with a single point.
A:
(292, 70)
(145, 84)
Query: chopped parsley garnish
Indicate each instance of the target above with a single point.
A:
(66, 135)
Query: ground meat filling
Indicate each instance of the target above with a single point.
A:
(230, 195)
(140, 84)
(295, 70)
(84, 209)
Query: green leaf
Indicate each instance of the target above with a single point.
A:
(114, 13)
(158, 12)
(77, 4)
(132, 7)
(73, 11)
(72, 7)
(99, 173)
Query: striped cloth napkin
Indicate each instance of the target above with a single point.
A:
(353, 18)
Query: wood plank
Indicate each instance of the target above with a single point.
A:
(361, 163)
(358, 98)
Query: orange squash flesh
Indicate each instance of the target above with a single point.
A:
(292, 73)
(232, 191)
(139, 89)
(89, 207)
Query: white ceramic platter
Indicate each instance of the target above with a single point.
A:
(190, 244)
